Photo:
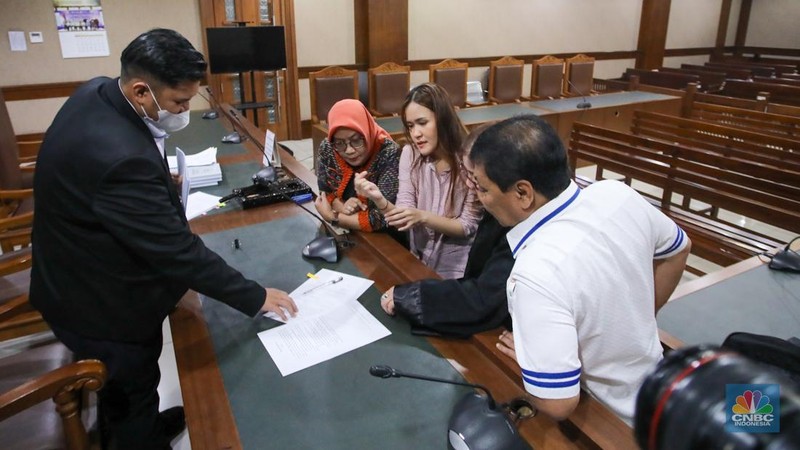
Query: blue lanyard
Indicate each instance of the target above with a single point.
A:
(545, 220)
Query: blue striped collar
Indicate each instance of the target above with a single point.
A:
(525, 229)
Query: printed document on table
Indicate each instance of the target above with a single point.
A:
(319, 295)
(302, 343)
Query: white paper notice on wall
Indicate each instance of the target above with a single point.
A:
(17, 41)
(83, 44)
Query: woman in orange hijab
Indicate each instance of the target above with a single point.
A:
(355, 143)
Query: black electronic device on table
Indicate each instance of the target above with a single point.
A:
(280, 190)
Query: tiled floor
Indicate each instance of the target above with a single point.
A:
(303, 151)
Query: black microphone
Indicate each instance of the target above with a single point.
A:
(476, 422)
(583, 104)
(388, 372)
(322, 247)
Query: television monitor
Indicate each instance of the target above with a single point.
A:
(242, 49)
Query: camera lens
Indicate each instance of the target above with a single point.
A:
(682, 404)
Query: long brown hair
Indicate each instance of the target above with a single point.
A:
(449, 130)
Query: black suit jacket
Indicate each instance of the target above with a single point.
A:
(112, 250)
(468, 305)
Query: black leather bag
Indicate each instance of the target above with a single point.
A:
(780, 353)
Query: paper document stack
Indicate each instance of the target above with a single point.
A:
(202, 168)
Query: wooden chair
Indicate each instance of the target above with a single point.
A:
(579, 76)
(547, 77)
(16, 184)
(32, 377)
(45, 371)
(19, 317)
(15, 263)
(452, 76)
(388, 85)
(328, 86)
(505, 80)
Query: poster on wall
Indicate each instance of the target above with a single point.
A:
(81, 29)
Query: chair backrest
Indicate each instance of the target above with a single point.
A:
(580, 73)
(388, 85)
(327, 87)
(505, 79)
(547, 77)
(452, 76)
(10, 174)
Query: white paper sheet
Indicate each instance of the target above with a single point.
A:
(269, 148)
(317, 295)
(199, 203)
(205, 158)
(300, 344)
(185, 182)
(16, 40)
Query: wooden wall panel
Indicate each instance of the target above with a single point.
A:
(381, 31)
(652, 33)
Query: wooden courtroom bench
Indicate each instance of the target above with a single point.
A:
(747, 119)
(777, 68)
(760, 60)
(730, 72)
(728, 141)
(661, 170)
(777, 80)
(662, 79)
(754, 69)
(709, 80)
(779, 93)
(760, 103)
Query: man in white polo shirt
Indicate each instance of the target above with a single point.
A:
(591, 268)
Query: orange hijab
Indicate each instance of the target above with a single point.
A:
(354, 115)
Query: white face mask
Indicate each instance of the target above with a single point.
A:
(167, 121)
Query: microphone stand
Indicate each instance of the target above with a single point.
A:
(388, 372)
(583, 104)
(476, 423)
(330, 237)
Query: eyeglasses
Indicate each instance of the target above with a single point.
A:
(357, 142)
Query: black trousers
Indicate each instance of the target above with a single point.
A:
(128, 403)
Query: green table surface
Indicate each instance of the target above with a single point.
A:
(760, 301)
(335, 404)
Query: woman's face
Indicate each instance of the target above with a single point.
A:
(421, 125)
(351, 146)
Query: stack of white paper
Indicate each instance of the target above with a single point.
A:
(202, 168)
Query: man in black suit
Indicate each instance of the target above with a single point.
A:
(112, 249)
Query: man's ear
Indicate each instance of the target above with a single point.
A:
(525, 194)
(139, 89)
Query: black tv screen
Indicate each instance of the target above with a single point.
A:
(241, 49)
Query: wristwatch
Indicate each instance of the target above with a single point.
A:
(335, 220)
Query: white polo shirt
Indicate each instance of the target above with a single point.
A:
(581, 293)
